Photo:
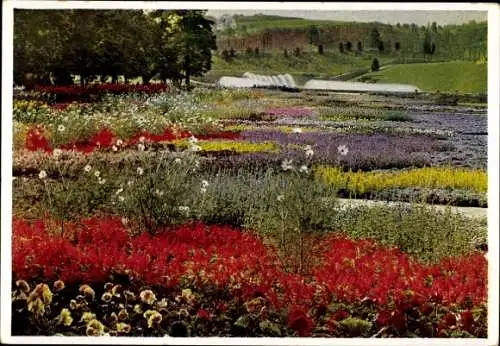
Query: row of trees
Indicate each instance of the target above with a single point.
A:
(52, 45)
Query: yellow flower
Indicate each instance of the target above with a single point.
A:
(106, 297)
(87, 291)
(65, 317)
(95, 328)
(58, 286)
(148, 297)
(130, 296)
(123, 315)
(123, 328)
(154, 318)
(23, 286)
(108, 286)
(36, 306)
(87, 317)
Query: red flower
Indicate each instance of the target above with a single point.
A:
(300, 322)
(204, 314)
(383, 318)
(467, 320)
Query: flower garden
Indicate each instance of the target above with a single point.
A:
(152, 212)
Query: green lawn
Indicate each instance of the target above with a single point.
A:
(302, 68)
(453, 76)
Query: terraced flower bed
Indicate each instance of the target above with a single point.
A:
(215, 213)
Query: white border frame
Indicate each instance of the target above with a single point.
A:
(493, 166)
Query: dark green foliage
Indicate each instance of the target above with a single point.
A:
(341, 47)
(348, 46)
(375, 65)
(52, 46)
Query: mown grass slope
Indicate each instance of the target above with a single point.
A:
(453, 76)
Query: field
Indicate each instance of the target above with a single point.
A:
(155, 212)
(453, 76)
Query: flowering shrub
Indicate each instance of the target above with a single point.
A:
(76, 93)
(357, 280)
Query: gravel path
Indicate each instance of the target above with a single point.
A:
(469, 212)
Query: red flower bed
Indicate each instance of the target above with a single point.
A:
(35, 140)
(350, 270)
(76, 93)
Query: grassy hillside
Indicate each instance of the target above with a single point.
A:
(461, 76)
(302, 68)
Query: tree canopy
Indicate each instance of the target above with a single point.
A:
(53, 45)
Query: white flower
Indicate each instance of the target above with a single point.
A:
(120, 190)
(280, 198)
(42, 174)
(203, 190)
(197, 163)
(121, 198)
(101, 181)
(184, 209)
(307, 147)
(114, 147)
(142, 139)
(309, 153)
(343, 150)
(57, 152)
(204, 183)
(124, 221)
(140, 171)
(130, 183)
(195, 148)
(297, 130)
(286, 164)
(177, 160)
(193, 139)
(87, 168)
(119, 142)
(303, 169)
(158, 192)
(141, 147)
(97, 173)
(61, 128)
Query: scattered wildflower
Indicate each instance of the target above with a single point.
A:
(204, 183)
(140, 171)
(123, 328)
(23, 286)
(121, 198)
(154, 318)
(195, 148)
(203, 190)
(114, 148)
(280, 198)
(124, 221)
(65, 317)
(87, 168)
(87, 316)
(147, 296)
(61, 128)
(286, 164)
(141, 147)
(303, 169)
(184, 209)
(193, 139)
(106, 297)
(120, 190)
(42, 174)
(56, 153)
(177, 160)
(297, 130)
(101, 181)
(58, 286)
(97, 174)
(343, 150)
(159, 192)
(130, 183)
(123, 315)
(142, 139)
(95, 328)
(119, 142)
(87, 291)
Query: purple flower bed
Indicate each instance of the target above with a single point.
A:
(366, 151)
(290, 112)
